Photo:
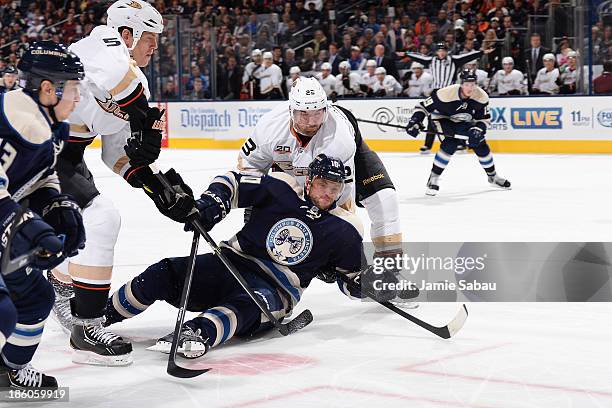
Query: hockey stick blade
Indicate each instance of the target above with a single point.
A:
(445, 332)
(301, 321)
(181, 372)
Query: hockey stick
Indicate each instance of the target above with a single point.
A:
(373, 122)
(446, 332)
(301, 321)
(173, 369)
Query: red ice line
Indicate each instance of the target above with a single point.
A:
(306, 390)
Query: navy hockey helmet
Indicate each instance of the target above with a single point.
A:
(328, 168)
(9, 70)
(46, 60)
(468, 75)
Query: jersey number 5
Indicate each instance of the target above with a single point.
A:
(248, 146)
(111, 42)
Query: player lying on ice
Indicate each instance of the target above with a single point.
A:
(457, 110)
(290, 236)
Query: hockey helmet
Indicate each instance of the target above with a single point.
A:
(10, 70)
(137, 15)
(345, 65)
(47, 60)
(468, 75)
(327, 168)
(307, 105)
(441, 46)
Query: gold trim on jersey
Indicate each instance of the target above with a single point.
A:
(74, 128)
(127, 79)
(120, 163)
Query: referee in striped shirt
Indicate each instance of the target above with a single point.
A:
(444, 69)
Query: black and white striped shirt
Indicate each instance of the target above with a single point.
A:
(444, 70)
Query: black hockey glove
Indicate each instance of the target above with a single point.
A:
(64, 215)
(380, 93)
(346, 82)
(212, 208)
(476, 137)
(379, 282)
(32, 232)
(144, 145)
(414, 126)
(176, 203)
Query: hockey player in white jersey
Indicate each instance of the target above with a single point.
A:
(546, 79)
(369, 78)
(290, 136)
(114, 105)
(420, 82)
(385, 85)
(508, 81)
(294, 74)
(326, 79)
(347, 82)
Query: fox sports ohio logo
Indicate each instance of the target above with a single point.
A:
(289, 241)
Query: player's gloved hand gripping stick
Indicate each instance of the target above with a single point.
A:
(445, 332)
(301, 321)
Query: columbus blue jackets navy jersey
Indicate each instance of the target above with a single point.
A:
(28, 148)
(288, 239)
(450, 113)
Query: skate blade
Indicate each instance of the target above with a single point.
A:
(190, 349)
(500, 187)
(91, 358)
(430, 192)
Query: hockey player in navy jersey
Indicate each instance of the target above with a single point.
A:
(32, 133)
(457, 110)
(289, 237)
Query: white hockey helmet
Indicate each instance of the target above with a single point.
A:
(380, 70)
(371, 63)
(307, 106)
(344, 65)
(138, 15)
(326, 66)
(507, 60)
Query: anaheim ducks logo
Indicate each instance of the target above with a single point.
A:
(289, 241)
(135, 4)
(109, 105)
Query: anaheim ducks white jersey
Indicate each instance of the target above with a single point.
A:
(389, 84)
(368, 80)
(328, 83)
(275, 145)
(421, 86)
(506, 82)
(111, 75)
(353, 83)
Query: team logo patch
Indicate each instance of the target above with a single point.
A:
(289, 241)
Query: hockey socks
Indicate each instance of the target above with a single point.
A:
(90, 297)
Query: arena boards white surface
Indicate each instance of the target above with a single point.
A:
(360, 355)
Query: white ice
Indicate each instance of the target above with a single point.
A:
(360, 355)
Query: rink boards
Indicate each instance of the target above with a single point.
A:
(568, 124)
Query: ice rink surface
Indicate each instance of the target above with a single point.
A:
(360, 355)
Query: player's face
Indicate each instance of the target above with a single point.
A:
(145, 48)
(323, 193)
(308, 122)
(508, 67)
(467, 88)
(371, 69)
(326, 73)
(549, 64)
(9, 80)
(71, 95)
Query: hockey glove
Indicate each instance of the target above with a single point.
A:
(414, 127)
(346, 82)
(64, 215)
(380, 283)
(32, 232)
(476, 137)
(144, 145)
(212, 208)
(176, 203)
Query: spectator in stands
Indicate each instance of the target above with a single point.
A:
(519, 13)
(357, 61)
(277, 57)
(603, 83)
(312, 17)
(499, 5)
(347, 82)
(321, 59)
(319, 41)
(386, 62)
(263, 42)
(508, 81)
(253, 25)
(345, 50)
(385, 85)
(568, 74)
(422, 26)
(196, 73)
(372, 24)
(534, 55)
(307, 63)
(198, 92)
(562, 51)
(395, 37)
(170, 90)
(444, 24)
(465, 11)
(290, 60)
(229, 80)
(418, 83)
(334, 58)
(492, 61)
(546, 79)
(292, 38)
(327, 80)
